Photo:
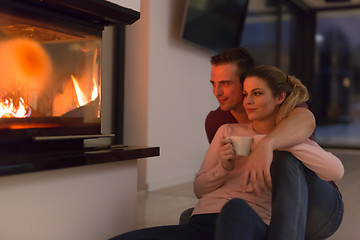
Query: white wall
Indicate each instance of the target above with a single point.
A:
(82, 203)
(168, 94)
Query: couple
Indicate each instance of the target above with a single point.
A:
(254, 197)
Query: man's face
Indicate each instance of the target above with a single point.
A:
(226, 86)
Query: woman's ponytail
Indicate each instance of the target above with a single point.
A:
(298, 94)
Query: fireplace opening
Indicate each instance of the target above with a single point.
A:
(50, 79)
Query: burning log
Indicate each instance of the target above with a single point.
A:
(89, 110)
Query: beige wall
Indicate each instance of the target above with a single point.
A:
(168, 94)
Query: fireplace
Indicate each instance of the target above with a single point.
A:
(50, 75)
(50, 81)
(48, 87)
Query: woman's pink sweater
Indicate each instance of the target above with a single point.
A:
(214, 185)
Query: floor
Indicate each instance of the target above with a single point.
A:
(163, 207)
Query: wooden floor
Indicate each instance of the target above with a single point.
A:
(163, 207)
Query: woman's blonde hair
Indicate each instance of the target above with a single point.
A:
(279, 83)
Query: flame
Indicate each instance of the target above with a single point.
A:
(81, 97)
(95, 91)
(8, 109)
(81, 88)
(24, 63)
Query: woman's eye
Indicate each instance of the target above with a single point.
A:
(244, 94)
(257, 93)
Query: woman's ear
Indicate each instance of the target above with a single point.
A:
(281, 98)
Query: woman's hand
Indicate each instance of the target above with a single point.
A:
(257, 169)
(227, 154)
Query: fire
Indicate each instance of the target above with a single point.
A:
(11, 109)
(25, 69)
(81, 97)
(95, 91)
(80, 89)
(24, 63)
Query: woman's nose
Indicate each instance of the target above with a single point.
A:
(248, 99)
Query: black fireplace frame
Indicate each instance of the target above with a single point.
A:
(89, 15)
(80, 18)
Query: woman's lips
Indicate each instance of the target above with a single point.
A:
(250, 110)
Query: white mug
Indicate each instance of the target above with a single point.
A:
(242, 145)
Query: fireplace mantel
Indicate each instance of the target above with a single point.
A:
(33, 161)
(97, 12)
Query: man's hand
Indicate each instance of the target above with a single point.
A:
(257, 169)
(227, 154)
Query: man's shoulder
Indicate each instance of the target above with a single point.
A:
(220, 115)
(215, 119)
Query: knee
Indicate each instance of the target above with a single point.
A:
(283, 161)
(235, 207)
(234, 204)
(185, 216)
(284, 164)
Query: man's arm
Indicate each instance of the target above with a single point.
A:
(295, 129)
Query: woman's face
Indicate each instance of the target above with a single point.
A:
(259, 102)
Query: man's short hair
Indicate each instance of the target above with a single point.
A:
(240, 56)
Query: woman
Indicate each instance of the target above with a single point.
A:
(223, 176)
(303, 205)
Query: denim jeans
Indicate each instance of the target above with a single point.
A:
(200, 227)
(303, 207)
(237, 220)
